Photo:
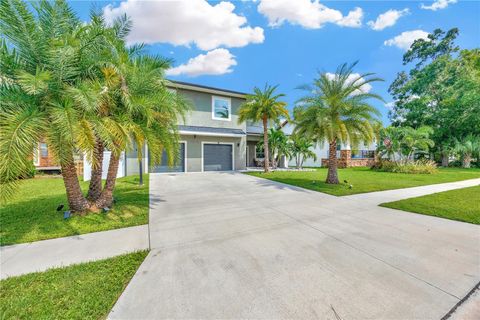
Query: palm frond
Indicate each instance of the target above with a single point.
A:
(21, 129)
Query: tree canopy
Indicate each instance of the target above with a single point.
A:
(441, 90)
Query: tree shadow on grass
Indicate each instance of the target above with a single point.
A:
(35, 218)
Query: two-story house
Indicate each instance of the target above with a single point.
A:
(211, 137)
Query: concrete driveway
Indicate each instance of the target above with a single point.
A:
(227, 245)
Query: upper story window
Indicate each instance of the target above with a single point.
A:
(221, 108)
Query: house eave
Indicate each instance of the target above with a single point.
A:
(210, 134)
(201, 88)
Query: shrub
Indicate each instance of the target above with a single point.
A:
(459, 164)
(455, 163)
(419, 166)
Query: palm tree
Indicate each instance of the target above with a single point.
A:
(416, 141)
(301, 149)
(78, 87)
(134, 107)
(43, 55)
(337, 110)
(390, 142)
(263, 106)
(467, 148)
(143, 111)
(277, 144)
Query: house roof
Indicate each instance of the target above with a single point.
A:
(202, 88)
(209, 131)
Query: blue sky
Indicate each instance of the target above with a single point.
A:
(239, 44)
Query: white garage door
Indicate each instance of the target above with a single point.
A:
(217, 157)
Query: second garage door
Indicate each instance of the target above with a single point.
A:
(179, 166)
(217, 157)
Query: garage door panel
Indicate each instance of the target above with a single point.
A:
(164, 167)
(217, 157)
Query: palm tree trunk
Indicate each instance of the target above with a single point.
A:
(76, 200)
(467, 159)
(444, 159)
(106, 198)
(95, 187)
(332, 176)
(265, 144)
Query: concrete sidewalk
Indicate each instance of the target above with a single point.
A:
(376, 198)
(230, 246)
(42, 255)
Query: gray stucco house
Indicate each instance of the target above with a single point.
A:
(211, 137)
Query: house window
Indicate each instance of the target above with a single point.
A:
(259, 153)
(43, 150)
(221, 108)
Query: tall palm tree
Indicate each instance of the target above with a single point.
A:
(263, 106)
(78, 87)
(337, 110)
(134, 107)
(149, 113)
(43, 55)
(142, 110)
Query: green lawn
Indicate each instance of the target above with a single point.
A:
(461, 204)
(83, 291)
(31, 215)
(365, 180)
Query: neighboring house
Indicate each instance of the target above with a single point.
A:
(362, 155)
(43, 159)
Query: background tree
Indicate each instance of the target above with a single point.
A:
(264, 106)
(337, 110)
(301, 149)
(441, 90)
(390, 143)
(467, 148)
(416, 141)
(277, 144)
(404, 143)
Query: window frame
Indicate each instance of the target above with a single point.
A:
(36, 155)
(214, 117)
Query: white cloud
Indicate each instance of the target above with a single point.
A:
(185, 22)
(405, 39)
(438, 4)
(354, 76)
(310, 14)
(387, 19)
(390, 105)
(353, 19)
(215, 62)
